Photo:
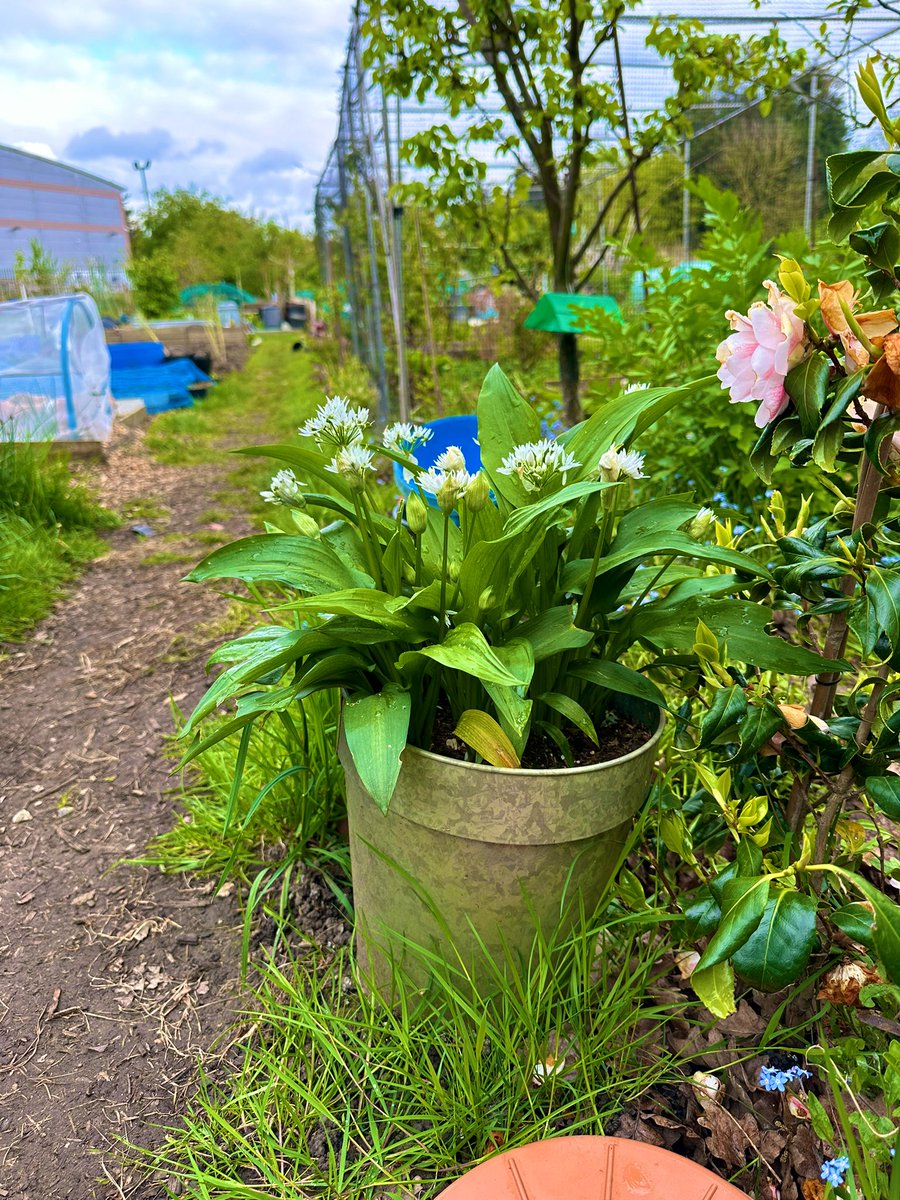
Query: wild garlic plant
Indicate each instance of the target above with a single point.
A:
(508, 599)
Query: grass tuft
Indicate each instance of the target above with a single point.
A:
(340, 1093)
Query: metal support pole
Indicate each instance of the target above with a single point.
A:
(383, 401)
(809, 201)
(686, 203)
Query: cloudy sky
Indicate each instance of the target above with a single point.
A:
(234, 96)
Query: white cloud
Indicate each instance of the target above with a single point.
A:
(237, 99)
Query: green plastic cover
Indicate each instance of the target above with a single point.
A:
(565, 312)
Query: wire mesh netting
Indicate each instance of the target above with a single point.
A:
(364, 234)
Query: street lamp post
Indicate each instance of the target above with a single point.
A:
(142, 168)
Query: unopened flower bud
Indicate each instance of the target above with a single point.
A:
(306, 525)
(477, 493)
(447, 495)
(453, 568)
(487, 599)
(416, 513)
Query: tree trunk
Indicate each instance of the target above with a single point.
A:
(568, 376)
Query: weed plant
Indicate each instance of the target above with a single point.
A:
(337, 1092)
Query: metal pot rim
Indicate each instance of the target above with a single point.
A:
(543, 772)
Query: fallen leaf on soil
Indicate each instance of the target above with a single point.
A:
(729, 1137)
(746, 1022)
(842, 983)
(813, 1189)
(26, 898)
(84, 898)
(634, 1127)
(803, 1148)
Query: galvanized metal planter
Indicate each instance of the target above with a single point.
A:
(468, 848)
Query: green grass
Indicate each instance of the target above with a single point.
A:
(339, 1094)
(48, 523)
(266, 402)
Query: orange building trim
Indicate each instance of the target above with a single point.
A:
(69, 188)
(69, 226)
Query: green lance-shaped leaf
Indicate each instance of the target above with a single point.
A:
(376, 728)
(466, 649)
(505, 420)
(552, 632)
(778, 949)
(715, 988)
(619, 679)
(480, 731)
(623, 419)
(572, 711)
(807, 386)
(884, 792)
(743, 904)
(308, 564)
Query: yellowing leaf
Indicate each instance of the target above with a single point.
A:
(480, 731)
(714, 987)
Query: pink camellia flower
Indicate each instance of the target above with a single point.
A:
(766, 343)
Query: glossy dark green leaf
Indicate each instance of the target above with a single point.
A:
(883, 591)
(702, 914)
(762, 459)
(743, 904)
(881, 429)
(777, 951)
(884, 792)
(845, 392)
(857, 921)
(727, 708)
(879, 243)
(762, 721)
(807, 386)
(886, 928)
(737, 624)
(552, 632)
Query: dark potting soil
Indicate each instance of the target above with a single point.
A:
(617, 733)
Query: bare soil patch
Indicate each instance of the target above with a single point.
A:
(112, 981)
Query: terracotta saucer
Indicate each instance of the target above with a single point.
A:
(590, 1168)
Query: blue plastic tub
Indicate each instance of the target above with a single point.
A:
(446, 432)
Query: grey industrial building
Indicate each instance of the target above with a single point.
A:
(78, 218)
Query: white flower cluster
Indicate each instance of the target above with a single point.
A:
(539, 463)
(353, 462)
(447, 486)
(615, 464)
(336, 424)
(405, 438)
(284, 489)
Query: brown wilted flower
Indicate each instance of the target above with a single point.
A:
(842, 984)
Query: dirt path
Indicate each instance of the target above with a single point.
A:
(109, 983)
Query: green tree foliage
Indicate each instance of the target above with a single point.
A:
(205, 241)
(154, 284)
(564, 120)
(762, 159)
